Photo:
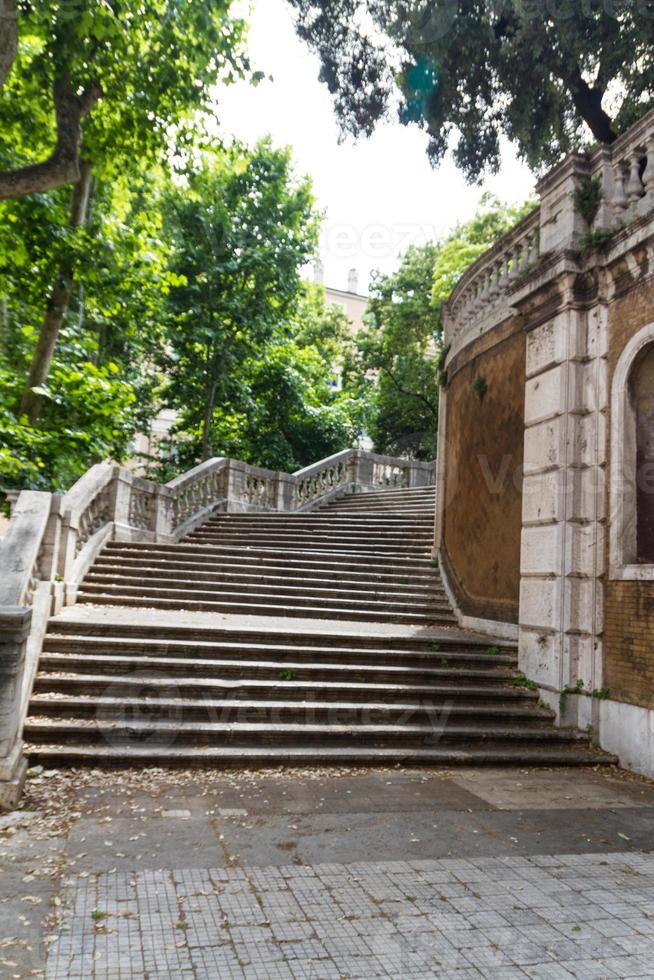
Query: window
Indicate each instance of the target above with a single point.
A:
(632, 460)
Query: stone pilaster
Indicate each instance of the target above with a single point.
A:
(564, 501)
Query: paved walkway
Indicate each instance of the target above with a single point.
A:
(467, 874)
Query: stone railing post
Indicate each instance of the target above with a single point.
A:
(163, 526)
(122, 494)
(362, 469)
(14, 632)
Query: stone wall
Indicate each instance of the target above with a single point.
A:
(482, 512)
(558, 317)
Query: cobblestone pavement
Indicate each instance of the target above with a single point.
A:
(577, 915)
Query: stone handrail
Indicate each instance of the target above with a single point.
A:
(52, 540)
(484, 285)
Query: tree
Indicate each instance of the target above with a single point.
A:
(241, 228)
(145, 69)
(102, 385)
(90, 76)
(397, 359)
(290, 410)
(474, 70)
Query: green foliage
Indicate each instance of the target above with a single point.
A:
(472, 73)
(480, 387)
(154, 62)
(399, 361)
(596, 240)
(102, 385)
(588, 198)
(525, 682)
(252, 353)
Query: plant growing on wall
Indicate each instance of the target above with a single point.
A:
(480, 387)
(588, 198)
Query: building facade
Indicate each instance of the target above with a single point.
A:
(545, 530)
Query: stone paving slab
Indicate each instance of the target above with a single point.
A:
(556, 916)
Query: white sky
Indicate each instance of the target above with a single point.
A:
(380, 194)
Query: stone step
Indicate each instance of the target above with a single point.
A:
(422, 603)
(52, 756)
(125, 699)
(252, 734)
(343, 636)
(399, 494)
(400, 545)
(195, 668)
(207, 572)
(320, 520)
(256, 556)
(266, 647)
(147, 601)
(147, 579)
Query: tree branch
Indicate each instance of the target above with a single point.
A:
(63, 165)
(411, 394)
(8, 38)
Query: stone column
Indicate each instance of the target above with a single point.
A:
(564, 505)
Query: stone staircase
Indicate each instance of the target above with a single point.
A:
(334, 642)
(364, 557)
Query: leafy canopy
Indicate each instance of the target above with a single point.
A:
(396, 366)
(472, 71)
(120, 78)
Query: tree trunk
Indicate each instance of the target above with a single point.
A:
(8, 38)
(206, 425)
(57, 305)
(588, 103)
(63, 166)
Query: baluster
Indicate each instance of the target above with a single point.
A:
(515, 261)
(648, 176)
(620, 200)
(634, 188)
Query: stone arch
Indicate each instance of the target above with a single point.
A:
(632, 460)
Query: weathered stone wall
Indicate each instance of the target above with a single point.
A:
(563, 304)
(483, 493)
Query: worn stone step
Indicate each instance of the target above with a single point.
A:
(51, 755)
(108, 678)
(120, 598)
(372, 546)
(126, 700)
(178, 731)
(451, 679)
(347, 637)
(253, 734)
(267, 647)
(281, 596)
(320, 520)
(147, 579)
(299, 559)
(207, 572)
(253, 609)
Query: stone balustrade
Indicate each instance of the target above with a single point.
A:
(629, 183)
(483, 288)
(484, 295)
